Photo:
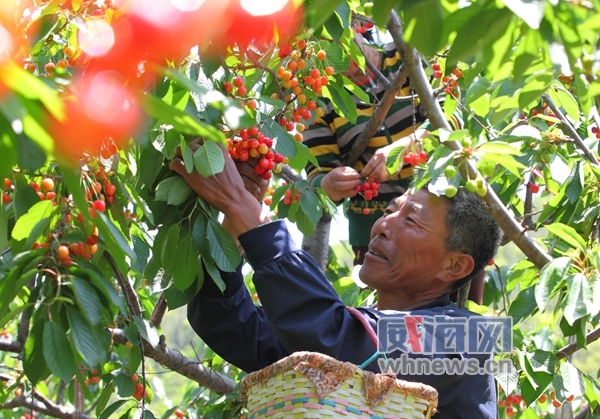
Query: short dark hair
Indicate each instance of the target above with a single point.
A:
(472, 230)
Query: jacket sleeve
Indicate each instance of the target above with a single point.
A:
(302, 307)
(233, 326)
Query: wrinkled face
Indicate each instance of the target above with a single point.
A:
(407, 244)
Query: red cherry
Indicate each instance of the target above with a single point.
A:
(238, 82)
(366, 211)
(6, 198)
(7, 184)
(228, 87)
(422, 156)
(99, 205)
(534, 188)
(435, 67)
(284, 51)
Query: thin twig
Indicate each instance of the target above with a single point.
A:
(571, 348)
(572, 132)
(373, 68)
(130, 296)
(272, 72)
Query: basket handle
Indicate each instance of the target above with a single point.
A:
(358, 315)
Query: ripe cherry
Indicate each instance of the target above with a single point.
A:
(47, 184)
(321, 55)
(366, 211)
(49, 67)
(6, 198)
(99, 205)
(238, 82)
(69, 51)
(329, 70)
(7, 184)
(228, 87)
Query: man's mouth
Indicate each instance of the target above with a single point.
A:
(374, 253)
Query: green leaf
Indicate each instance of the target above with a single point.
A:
(31, 87)
(84, 338)
(284, 143)
(176, 298)
(209, 159)
(304, 224)
(337, 58)
(185, 265)
(151, 161)
(222, 247)
(394, 162)
(563, 98)
(104, 397)
(311, 205)
(568, 234)
(147, 330)
(57, 352)
(125, 387)
(477, 90)
(483, 29)
(142, 252)
(214, 273)
(508, 378)
(188, 156)
(179, 192)
(318, 11)
(180, 120)
(342, 100)
(103, 285)
(497, 147)
(27, 222)
(423, 23)
(578, 303)
(114, 237)
(523, 305)
(334, 27)
(34, 364)
(551, 275)
(114, 407)
(381, 10)
(573, 379)
(88, 300)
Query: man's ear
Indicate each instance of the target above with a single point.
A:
(456, 266)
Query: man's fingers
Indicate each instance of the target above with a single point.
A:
(177, 165)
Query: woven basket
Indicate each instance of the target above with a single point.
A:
(313, 385)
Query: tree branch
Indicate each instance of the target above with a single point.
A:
(376, 121)
(572, 132)
(11, 346)
(130, 295)
(175, 361)
(159, 311)
(570, 349)
(497, 209)
(44, 406)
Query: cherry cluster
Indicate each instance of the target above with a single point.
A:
(596, 131)
(369, 189)
(364, 27)
(414, 159)
(251, 143)
(8, 187)
(289, 197)
(140, 391)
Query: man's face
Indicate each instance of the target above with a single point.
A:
(407, 244)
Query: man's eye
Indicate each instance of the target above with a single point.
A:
(410, 220)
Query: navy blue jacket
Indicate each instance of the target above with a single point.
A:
(302, 312)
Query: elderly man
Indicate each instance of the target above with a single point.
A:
(421, 249)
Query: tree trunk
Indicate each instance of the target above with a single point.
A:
(317, 244)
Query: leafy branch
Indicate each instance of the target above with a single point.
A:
(41, 404)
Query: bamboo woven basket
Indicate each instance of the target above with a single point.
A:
(313, 385)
